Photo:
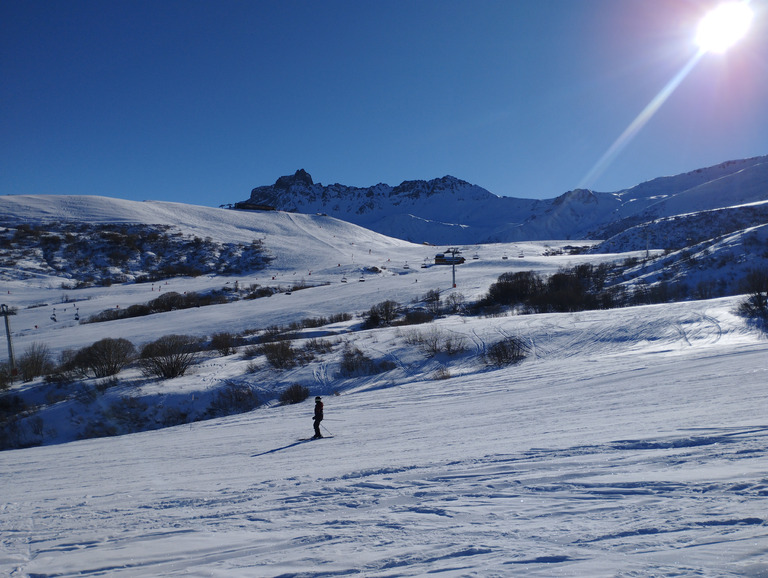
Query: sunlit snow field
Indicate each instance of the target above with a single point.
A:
(630, 443)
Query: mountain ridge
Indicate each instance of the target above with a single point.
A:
(450, 210)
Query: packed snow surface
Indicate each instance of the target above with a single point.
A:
(630, 443)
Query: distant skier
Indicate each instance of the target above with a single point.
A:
(318, 417)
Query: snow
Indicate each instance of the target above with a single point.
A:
(630, 443)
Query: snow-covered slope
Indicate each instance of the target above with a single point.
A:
(297, 241)
(662, 188)
(629, 443)
(732, 184)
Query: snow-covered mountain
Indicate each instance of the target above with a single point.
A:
(449, 210)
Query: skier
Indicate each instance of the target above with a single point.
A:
(318, 417)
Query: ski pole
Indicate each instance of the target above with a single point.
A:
(326, 429)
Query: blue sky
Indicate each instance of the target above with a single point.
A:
(200, 101)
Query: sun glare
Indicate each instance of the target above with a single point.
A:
(718, 31)
(724, 26)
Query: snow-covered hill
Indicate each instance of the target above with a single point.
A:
(299, 241)
(632, 443)
(629, 442)
(448, 210)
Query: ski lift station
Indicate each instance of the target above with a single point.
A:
(452, 258)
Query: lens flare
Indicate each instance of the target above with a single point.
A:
(640, 121)
(719, 30)
(724, 26)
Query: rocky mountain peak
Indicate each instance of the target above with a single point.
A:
(581, 196)
(300, 177)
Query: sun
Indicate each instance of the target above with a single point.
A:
(724, 26)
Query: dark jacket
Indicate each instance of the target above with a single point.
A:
(318, 410)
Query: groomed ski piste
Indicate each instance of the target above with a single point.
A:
(631, 442)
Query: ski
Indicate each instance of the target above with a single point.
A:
(310, 439)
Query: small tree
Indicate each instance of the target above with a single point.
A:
(168, 357)
(432, 301)
(514, 288)
(167, 302)
(455, 301)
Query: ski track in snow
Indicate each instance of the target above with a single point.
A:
(563, 481)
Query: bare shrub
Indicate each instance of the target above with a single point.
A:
(225, 343)
(442, 373)
(174, 416)
(435, 341)
(295, 393)
(339, 317)
(318, 346)
(413, 337)
(383, 313)
(271, 332)
(355, 363)
(103, 385)
(168, 357)
(251, 351)
(280, 354)
(454, 344)
(416, 317)
(128, 414)
(431, 340)
(256, 292)
(508, 351)
(233, 398)
(35, 361)
(12, 405)
(5, 377)
(104, 358)
(755, 305)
